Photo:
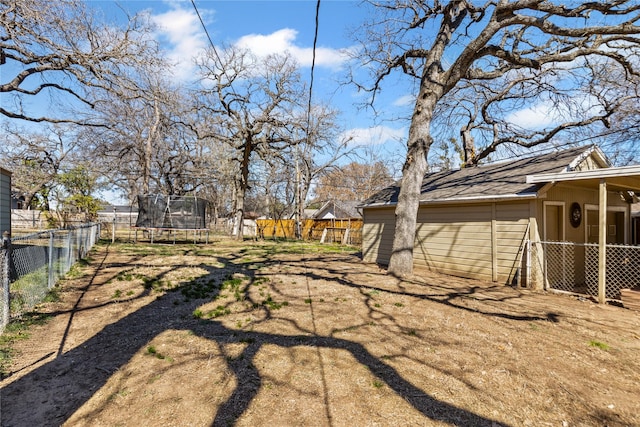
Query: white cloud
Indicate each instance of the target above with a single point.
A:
(547, 113)
(535, 117)
(404, 101)
(284, 41)
(181, 30)
(374, 136)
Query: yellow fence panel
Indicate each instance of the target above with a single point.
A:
(333, 230)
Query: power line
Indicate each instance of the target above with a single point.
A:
(205, 30)
(313, 65)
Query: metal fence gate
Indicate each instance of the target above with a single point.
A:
(573, 267)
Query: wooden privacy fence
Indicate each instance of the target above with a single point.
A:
(346, 231)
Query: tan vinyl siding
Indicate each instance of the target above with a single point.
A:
(511, 232)
(455, 240)
(568, 195)
(588, 164)
(5, 201)
(377, 235)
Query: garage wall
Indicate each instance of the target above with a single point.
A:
(481, 241)
(5, 201)
(511, 223)
(377, 234)
(456, 240)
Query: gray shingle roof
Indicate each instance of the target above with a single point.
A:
(498, 180)
(340, 209)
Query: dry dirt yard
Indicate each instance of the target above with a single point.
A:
(286, 334)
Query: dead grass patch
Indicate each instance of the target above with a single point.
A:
(258, 333)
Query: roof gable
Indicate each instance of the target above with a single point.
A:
(495, 181)
(337, 209)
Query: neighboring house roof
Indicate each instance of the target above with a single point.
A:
(504, 180)
(338, 209)
(308, 213)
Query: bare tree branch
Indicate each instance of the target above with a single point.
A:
(465, 67)
(59, 48)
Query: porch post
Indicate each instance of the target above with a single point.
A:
(602, 241)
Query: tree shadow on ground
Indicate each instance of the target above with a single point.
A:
(73, 377)
(450, 296)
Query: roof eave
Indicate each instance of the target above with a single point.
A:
(452, 200)
(587, 174)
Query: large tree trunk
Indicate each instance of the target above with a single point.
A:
(415, 166)
(238, 218)
(433, 85)
(242, 185)
(148, 148)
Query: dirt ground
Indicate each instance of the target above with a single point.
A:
(280, 334)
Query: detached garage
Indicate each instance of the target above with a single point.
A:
(5, 201)
(476, 222)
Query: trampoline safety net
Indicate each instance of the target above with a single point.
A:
(173, 212)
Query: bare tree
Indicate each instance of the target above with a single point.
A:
(37, 159)
(247, 103)
(620, 138)
(274, 187)
(354, 181)
(149, 144)
(320, 149)
(60, 49)
(447, 45)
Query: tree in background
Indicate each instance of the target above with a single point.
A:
(319, 148)
(148, 145)
(97, 75)
(60, 50)
(620, 138)
(37, 158)
(75, 195)
(502, 56)
(354, 181)
(249, 104)
(48, 171)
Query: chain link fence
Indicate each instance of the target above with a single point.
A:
(573, 267)
(623, 269)
(32, 264)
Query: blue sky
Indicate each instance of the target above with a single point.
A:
(277, 26)
(267, 26)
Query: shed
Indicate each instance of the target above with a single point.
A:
(5, 201)
(475, 222)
